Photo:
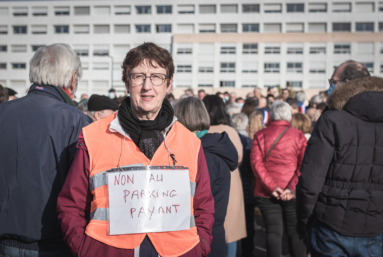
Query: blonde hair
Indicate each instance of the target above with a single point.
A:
(255, 123)
(302, 122)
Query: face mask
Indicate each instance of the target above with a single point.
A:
(226, 98)
(111, 95)
(331, 88)
(240, 105)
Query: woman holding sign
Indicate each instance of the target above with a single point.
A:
(128, 149)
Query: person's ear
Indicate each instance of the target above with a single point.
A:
(97, 116)
(169, 85)
(73, 85)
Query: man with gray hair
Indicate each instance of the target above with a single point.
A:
(38, 145)
(232, 109)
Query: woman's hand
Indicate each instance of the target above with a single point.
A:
(287, 195)
(277, 193)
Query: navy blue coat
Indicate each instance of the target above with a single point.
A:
(38, 135)
(221, 157)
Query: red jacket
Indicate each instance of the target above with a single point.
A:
(73, 207)
(281, 167)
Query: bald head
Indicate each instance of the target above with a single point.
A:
(349, 70)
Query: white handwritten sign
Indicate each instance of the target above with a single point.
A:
(148, 199)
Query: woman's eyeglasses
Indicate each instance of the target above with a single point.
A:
(138, 79)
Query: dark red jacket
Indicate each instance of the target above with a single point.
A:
(281, 167)
(73, 207)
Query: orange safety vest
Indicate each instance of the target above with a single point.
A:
(104, 148)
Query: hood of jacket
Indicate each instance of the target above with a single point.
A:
(363, 98)
(221, 145)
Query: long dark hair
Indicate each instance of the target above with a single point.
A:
(216, 109)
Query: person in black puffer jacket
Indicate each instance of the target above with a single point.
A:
(340, 191)
(221, 157)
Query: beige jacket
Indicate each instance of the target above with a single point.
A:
(235, 224)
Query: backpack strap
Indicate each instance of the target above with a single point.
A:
(275, 142)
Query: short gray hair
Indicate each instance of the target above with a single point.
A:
(239, 121)
(300, 96)
(54, 65)
(316, 99)
(232, 109)
(191, 112)
(280, 111)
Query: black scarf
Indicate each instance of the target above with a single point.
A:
(146, 134)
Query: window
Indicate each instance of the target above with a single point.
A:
(317, 50)
(252, 27)
(380, 6)
(207, 9)
(295, 84)
(295, 49)
(164, 28)
(205, 85)
(227, 49)
(3, 66)
(249, 67)
(18, 66)
(380, 26)
(186, 9)
(81, 10)
(228, 28)
(342, 49)
(3, 48)
(341, 7)
(317, 67)
(100, 86)
(100, 66)
(369, 66)
(39, 11)
(101, 29)
(227, 67)
(121, 9)
(3, 29)
(364, 26)
(294, 67)
(365, 48)
(18, 48)
(81, 29)
(272, 8)
(206, 69)
(101, 10)
(272, 49)
(122, 28)
(271, 67)
(185, 50)
(229, 8)
(164, 9)
(206, 49)
(184, 68)
(341, 27)
(381, 48)
(317, 7)
(250, 49)
(185, 28)
(249, 85)
(227, 83)
(61, 29)
(61, 10)
(317, 27)
(20, 11)
(364, 7)
(81, 50)
(206, 28)
(120, 50)
(272, 28)
(250, 8)
(3, 11)
(295, 7)
(142, 28)
(294, 27)
(36, 47)
(19, 29)
(100, 50)
(39, 29)
(145, 9)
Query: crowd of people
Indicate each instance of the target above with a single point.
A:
(311, 166)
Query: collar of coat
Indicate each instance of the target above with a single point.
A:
(343, 92)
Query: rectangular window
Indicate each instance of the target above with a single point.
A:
(272, 8)
(3, 29)
(364, 7)
(101, 10)
(61, 29)
(100, 66)
(250, 49)
(380, 6)
(295, 49)
(207, 9)
(228, 28)
(250, 8)
(206, 28)
(3, 48)
(272, 50)
(164, 9)
(205, 85)
(186, 9)
(61, 10)
(3, 11)
(164, 28)
(294, 27)
(369, 66)
(20, 11)
(250, 27)
(100, 50)
(272, 27)
(144, 9)
(364, 26)
(206, 49)
(341, 7)
(227, 83)
(249, 85)
(317, 7)
(227, 49)
(36, 47)
(122, 28)
(142, 28)
(184, 68)
(39, 29)
(81, 10)
(81, 29)
(294, 67)
(120, 50)
(229, 8)
(17, 66)
(185, 50)
(101, 29)
(249, 67)
(317, 50)
(295, 84)
(185, 28)
(317, 67)
(271, 67)
(317, 27)
(342, 49)
(19, 29)
(81, 50)
(380, 26)
(100, 86)
(341, 27)
(3, 66)
(295, 7)
(18, 48)
(227, 67)
(365, 48)
(206, 69)
(39, 11)
(122, 9)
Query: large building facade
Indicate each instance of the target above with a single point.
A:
(221, 45)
